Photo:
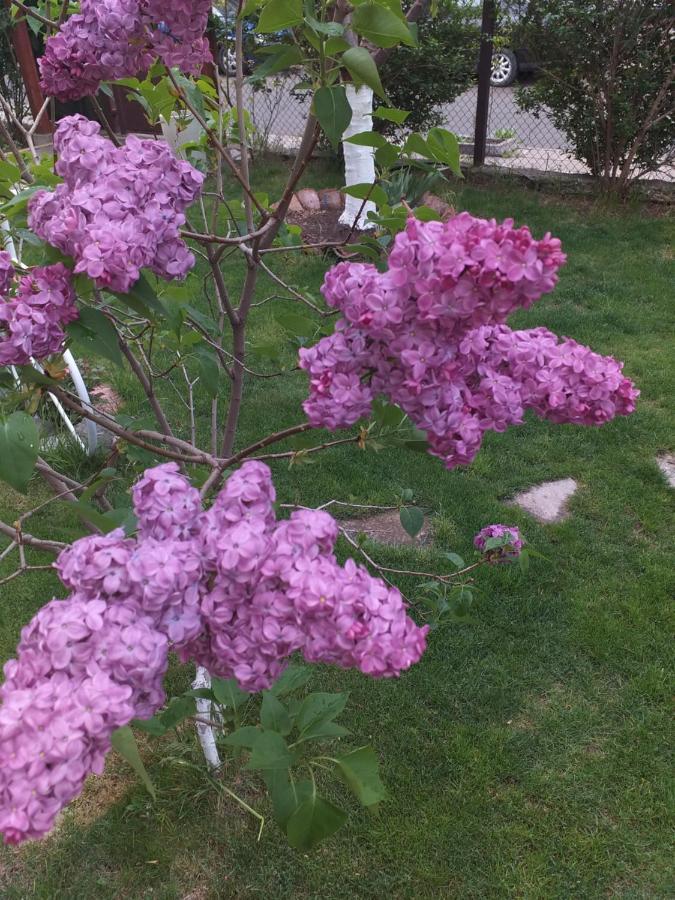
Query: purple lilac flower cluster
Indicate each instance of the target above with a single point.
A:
(429, 335)
(7, 272)
(111, 39)
(31, 323)
(119, 208)
(509, 550)
(230, 588)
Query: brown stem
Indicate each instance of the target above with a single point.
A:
(213, 137)
(147, 385)
(218, 470)
(23, 537)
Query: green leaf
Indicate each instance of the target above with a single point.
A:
(524, 560)
(249, 7)
(19, 202)
(380, 26)
(143, 299)
(335, 45)
(362, 68)
(333, 111)
(274, 715)
(151, 726)
(412, 520)
(228, 693)
(314, 820)
(387, 415)
(89, 514)
(124, 742)
(179, 708)
(321, 731)
(270, 751)
(284, 57)
(360, 769)
(286, 795)
(279, 14)
(320, 707)
(209, 370)
(387, 155)
(18, 450)
(398, 116)
(365, 190)
(445, 148)
(367, 139)
(330, 29)
(94, 333)
(291, 679)
(415, 143)
(296, 324)
(455, 559)
(247, 736)
(426, 214)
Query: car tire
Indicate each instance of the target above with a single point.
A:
(504, 68)
(226, 64)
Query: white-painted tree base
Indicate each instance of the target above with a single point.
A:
(207, 738)
(359, 161)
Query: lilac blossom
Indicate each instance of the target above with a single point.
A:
(119, 208)
(32, 323)
(112, 39)
(429, 335)
(511, 547)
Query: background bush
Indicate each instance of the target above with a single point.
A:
(423, 78)
(606, 81)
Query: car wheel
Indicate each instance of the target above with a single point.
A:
(227, 63)
(504, 68)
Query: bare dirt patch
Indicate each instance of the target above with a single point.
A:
(385, 528)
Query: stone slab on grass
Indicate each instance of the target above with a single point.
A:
(666, 462)
(547, 502)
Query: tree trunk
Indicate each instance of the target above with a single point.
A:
(359, 161)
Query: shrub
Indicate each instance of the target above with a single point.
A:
(607, 82)
(443, 65)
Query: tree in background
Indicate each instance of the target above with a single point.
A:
(606, 81)
(436, 71)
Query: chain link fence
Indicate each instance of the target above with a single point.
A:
(517, 139)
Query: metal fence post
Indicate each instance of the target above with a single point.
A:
(29, 71)
(484, 71)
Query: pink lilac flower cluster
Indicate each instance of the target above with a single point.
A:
(31, 323)
(231, 588)
(7, 272)
(119, 208)
(111, 39)
(428, 334)
(510, 549)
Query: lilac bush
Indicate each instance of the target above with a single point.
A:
(202, 560)
(230, 588)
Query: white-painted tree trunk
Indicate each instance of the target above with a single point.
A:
(359, 161)
(205, 733)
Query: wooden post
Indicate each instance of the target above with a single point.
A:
(484, 72)
(29, 72)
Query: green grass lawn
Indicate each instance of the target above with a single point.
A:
(527, 755)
